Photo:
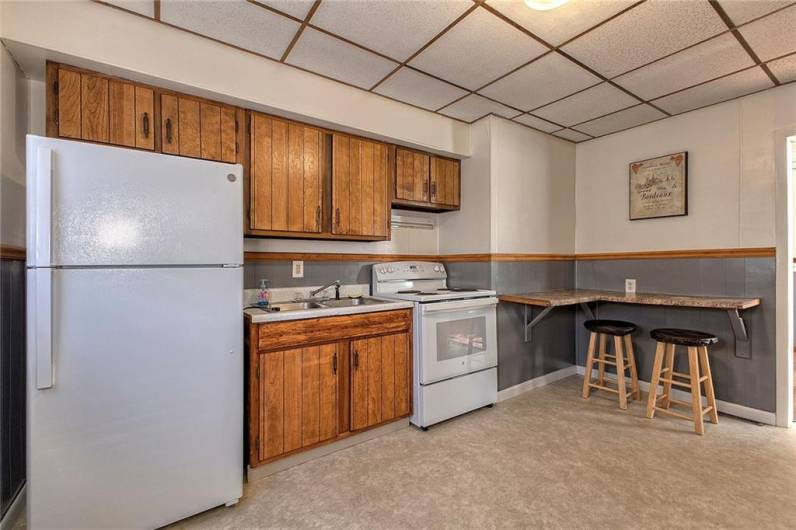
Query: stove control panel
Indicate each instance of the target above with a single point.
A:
(408, 270)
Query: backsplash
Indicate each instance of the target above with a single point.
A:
(287, 294)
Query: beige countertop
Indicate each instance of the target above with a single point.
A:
(564, 297)
(258, 316)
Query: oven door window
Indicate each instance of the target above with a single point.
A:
(460, 338)
(455, 341)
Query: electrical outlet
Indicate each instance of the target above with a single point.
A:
(630, 286)
(298, 269)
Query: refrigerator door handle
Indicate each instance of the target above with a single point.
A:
(44, 329)
(43, 215)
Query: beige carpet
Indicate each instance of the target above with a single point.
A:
(545, 458)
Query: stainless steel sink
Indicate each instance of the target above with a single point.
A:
(350, 302)
(297, 306)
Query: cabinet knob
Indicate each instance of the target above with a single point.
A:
(334, 363)
(168, 130)
(145, 121)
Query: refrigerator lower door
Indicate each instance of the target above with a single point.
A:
(142, 422)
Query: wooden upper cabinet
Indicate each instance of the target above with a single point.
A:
(380, 379)
(298, 399)
(445, 182)
(198, 128)
(360, 197)
(100, 109)
(411, 175)
(286, 180)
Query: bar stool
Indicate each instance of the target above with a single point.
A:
(620, 331)
(697, 343)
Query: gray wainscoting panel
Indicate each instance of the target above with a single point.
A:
(12, 380)
(749, 382)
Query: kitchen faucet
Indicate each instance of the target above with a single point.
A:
(336, 284)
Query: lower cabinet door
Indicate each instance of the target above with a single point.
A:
(380, 380)
(298, 398)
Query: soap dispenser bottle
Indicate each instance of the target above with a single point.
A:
(263, 295)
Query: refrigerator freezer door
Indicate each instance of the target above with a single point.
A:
(143, 424)
(106, 206)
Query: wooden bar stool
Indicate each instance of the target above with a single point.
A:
(623, 358)
(697, 343)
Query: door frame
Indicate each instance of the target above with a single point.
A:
(784, 211)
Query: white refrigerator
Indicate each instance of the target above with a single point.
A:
(135, 336)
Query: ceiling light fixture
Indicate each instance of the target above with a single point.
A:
(545, 5)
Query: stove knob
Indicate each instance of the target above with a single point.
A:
(436, 268)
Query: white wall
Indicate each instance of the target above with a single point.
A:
(468, 231)
(13, 126)
(517, 193)
(731, 178)
(532, 191)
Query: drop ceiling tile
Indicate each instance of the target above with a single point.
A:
(324, 54)
(235, 22)
(558, 25)
(537, 123)
(396, 29)
(474, 106)
(586, 105)
(741, 11)
(650, 31)
(624, 119)
(574, 136)
(294, 8)
(716, 57)
(772, 36)
(729, 87)
(477, 50)
(142, 7)
(419, 89)
(546, 79)
(784, 69)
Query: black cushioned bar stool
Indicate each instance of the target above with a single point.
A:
(663, 372)
(623, 358)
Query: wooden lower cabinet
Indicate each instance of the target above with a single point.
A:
(340, 375)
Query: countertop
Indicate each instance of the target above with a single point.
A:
(258, 316)
(564, 297)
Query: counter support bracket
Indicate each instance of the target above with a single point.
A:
(743, 346)
(587, 311)
(529, 324)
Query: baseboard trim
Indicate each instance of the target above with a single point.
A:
(733, 409)
(536, 382)
(15, 510)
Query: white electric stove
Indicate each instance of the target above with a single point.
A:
(455, 339)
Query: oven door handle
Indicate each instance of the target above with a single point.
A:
(477, 303)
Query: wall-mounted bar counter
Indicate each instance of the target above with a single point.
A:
(549, 300)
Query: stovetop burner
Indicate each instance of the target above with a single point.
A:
(457, 290)
(410, 291)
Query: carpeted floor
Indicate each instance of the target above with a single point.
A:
(545, 458)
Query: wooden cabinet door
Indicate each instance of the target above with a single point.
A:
(445, 181)
(131, 115)
(411, 175)
(189, 119)
(360, 174)
(297, 399)
(380, 380)
(83, 106)
(198, 128)
(286, 175)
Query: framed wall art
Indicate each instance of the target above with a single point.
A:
(659, 187)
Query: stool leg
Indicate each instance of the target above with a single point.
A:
(696, 394)
(589, 365)
(631, 360)
(601, 370)
(705, 362)
(667, 387)
(620, 372)
(656, 375)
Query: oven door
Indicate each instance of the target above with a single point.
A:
(457, 338)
